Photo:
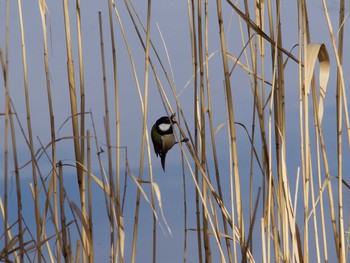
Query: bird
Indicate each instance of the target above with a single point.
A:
(163, 138)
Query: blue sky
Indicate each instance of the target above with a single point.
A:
(172, 19)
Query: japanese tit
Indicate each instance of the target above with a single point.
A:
(163, 137)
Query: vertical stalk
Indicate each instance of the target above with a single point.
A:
(82, 126)
(18, 187)
(306, 169)
(185, 209)
(82, 85)
(29, 128)
(144, 131)
(339, 106)
(91, 240)
(232, 130)
(193, 36)
(72, 94)
(42, 6)
(82, 129)
(65, 244)
(117, 133)
(207, 249)
(7, 112)
(212, 131)
(109, 147)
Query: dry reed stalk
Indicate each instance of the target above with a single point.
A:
(82, 122)
(91, 239)
(301, 41)
(311, 61)
(85, 235)
(185, 210)
(30, 134)
(144, 135)
(152, 185)
(82, 83)
(65, 249)
(339, 69)
(193, 35)
(43, 9)
(48, 206)
(142, 107)
(280, 139)
(5, 213)
(339, 107)
(7, 112)
(18, 190)
(108, 141)
(201, 119)
(117, 135)
(271, 202)
(212, 131)
(125, 178)
(103, 182)
(306, 131)
(120, 223)
(254, 85)
(233, 148)
(314, 214)
(72, 93)
(258, 100)
(340, 86)
(77, 252)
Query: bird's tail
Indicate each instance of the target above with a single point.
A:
(162, 159)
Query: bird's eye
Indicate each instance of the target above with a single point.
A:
(164, 127)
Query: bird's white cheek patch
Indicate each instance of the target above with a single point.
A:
(164, 127)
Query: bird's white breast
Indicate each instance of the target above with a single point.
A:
(164, 127)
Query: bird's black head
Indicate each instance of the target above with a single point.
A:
(164, 125)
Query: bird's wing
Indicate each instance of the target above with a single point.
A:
(157, 141)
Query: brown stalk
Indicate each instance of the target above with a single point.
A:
(233, 149)
(30, 135)
(91, 239)
(144, 131)
(82, 121)
(194, 51)
(109, 149)
(72, 93)
(7, 112)
(42, 6)
(18, 191)
(117, 135)
(65, 250)
(201, 125)
(339, 106)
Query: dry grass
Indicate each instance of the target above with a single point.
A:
(241, 203)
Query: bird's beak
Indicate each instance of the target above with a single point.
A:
(172, 119)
